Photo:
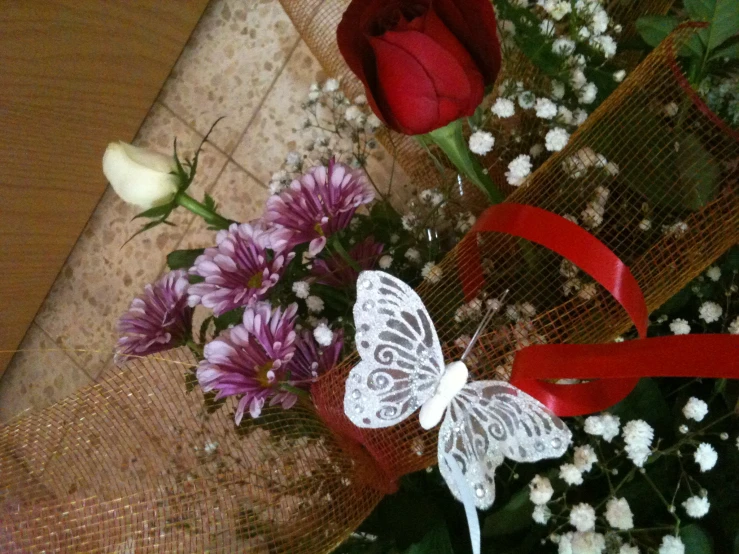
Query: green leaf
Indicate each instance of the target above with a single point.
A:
(698, 172)
(511, 518)
(183, 259)
(233, 317)
(451, 140)
(209, 202)
(156, 212)
(145, 228)
(646, 402)
(729, 49)
(191, 379)
(204, 329)
(654, 28)
(435, 541)
(722, 16)
(696, 539)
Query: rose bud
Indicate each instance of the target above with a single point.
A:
(424, 63)
(139, 176)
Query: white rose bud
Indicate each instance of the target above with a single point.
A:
(139, 176)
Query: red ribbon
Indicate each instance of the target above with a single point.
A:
(617, 367)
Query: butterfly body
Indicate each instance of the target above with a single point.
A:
(402, 369)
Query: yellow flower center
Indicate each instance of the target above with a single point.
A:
(262, 374)
(318, 229)
(255, 281)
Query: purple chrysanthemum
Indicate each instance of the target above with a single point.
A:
(250, 359)
(311, 359)
(240, 269)
(336, 272)
(320, 203)
(158, 320)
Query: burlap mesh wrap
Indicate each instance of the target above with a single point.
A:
(133, 465)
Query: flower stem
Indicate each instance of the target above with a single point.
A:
(295, 390)
(211, 217)
(451, 140)
(341, 251)
(195, 348)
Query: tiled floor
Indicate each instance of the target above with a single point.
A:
(245, 61)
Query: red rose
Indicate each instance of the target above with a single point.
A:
(424, 63)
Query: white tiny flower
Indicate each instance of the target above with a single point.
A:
(503, 108)
(570, 474)
(385, 262)
(432, 272)
(714, 273)
(569, 270)
(210, 447)
(526, 99)
(314, 95)
(413, 255)
(547, 28)
(582, 517)
(705, 456)
(628, 549)
(353, 113)
(360, 100)
(545, 108)
(578, 78)
(536, 150)
(695, 409)
(558, 90)
(541, 514)
(592, 215)
(671, 545)
(680, 327)
(600, 21)
(587, 94)
(604, 425)
(676, 229)
(583, 33)
(556, 139)
(323, 335)
(408, 221)
(645, 225)
(481, 142)
(474, 307)
(638, 436)
(314, 303)
(580, 116)
(589, 542)
(540, 490)
(697, 506)
(585, 458)
(618, 514)
(618, 28)
(561, 9)
(565, 115)
(734, 326)
(619, 75)
(710, 311)
(518, 170)
(331, 85)
(373, 122)
(605, 44)
(293, 159)
(301, 289)
(563, 46)
(671, 109)
(511, 312)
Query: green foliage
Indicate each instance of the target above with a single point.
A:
(183, 259)
(696, 539)
(234, 317)
(436, 541)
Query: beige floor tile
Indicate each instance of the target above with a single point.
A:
(101, 276)
(228, 66)
(275, 129)
(38, 378)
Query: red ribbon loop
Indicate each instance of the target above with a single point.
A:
(616, 367)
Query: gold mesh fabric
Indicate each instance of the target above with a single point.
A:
(133, 464)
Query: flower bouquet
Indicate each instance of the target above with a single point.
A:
(564, 193)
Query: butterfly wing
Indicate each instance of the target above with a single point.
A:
(401, 359)
(490, 420)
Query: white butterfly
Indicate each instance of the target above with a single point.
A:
(402, 369)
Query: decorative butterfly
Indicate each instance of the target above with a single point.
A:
(402, 369)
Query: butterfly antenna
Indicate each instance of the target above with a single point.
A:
(485, 320)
